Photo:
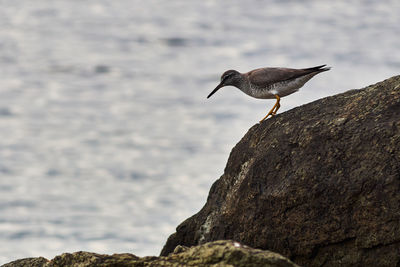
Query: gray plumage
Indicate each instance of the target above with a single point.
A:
(269, 83)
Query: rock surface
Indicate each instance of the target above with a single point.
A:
(319, 184)
(218, 253)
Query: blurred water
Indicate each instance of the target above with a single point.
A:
(107, 140)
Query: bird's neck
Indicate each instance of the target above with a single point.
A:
(243, 84)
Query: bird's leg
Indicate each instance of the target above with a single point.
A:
(274, 109)
(277, 105)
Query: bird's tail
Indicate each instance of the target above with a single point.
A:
(320, 68)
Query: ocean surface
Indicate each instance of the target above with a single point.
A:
(107, 140)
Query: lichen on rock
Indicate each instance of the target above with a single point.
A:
(218, 253)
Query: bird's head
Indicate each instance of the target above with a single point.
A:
(229, 77)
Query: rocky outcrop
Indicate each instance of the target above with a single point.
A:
(319, 184)
(218, 253)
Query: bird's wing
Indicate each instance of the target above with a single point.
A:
(267, 76)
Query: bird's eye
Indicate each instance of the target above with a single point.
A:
(226, 76)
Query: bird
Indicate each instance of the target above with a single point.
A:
(269, 83)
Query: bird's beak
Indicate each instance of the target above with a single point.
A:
(216, 89)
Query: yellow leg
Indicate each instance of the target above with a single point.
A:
(277, 105)
(274, 109)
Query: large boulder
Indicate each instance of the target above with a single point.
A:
(319, 184)
(218, 253)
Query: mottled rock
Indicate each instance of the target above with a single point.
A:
(319, 184)
(31, 262)
(218, 253)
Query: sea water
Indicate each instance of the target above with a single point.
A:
(107, 140)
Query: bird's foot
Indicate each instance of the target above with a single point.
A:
(274, 109)
(269, 114)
